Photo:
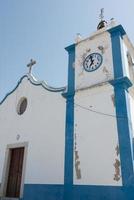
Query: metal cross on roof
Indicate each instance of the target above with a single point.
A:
(30, 65)
(102, 14)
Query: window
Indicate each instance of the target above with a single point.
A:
(22, 105)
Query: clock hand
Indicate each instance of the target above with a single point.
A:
(92, 60)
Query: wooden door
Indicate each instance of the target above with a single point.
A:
(15, 172)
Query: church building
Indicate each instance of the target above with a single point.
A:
(74, 142)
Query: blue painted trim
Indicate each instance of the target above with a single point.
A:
(121, 85)
(71, 75)
(124, 128)
(117, 29)
(123, 82)
(126, 83)
(79, 192)
(13, 89)
(36, 83)
(117, 53)
(43, 192)
(69, 132)
(70, 48)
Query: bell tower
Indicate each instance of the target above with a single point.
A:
(100, 99)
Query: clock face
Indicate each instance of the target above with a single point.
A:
(92, 62)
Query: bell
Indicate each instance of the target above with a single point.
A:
(102, 24)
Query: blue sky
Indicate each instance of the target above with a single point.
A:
(41, 29)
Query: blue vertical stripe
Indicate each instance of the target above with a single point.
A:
(121, 85)
(69, 132)
(117, 57)
(80, 192)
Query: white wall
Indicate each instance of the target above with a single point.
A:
(131, 103)
(128, 68)
(83, 49)
(125, 60)
(42, 125)
(96, 137)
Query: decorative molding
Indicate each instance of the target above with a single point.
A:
(35, 82)
(123, 82)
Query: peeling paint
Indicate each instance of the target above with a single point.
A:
(88, 50)
(113, 99)
(98, 85)
(106, 72)
(82, 58)
(101, 48)
(77, 165)
(80, 74)
(117, 165)
(117, 150)
(117, 170)
(77, 161)
(85, 54)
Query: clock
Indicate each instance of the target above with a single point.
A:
(92, 62)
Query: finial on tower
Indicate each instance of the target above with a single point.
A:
(102, 23)
(78, 38)
(30, 65)
(102, 14)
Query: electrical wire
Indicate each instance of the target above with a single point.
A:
(98, 112)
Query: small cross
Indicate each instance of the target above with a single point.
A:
(30, 65)
(102, 14)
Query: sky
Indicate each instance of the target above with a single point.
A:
(41, 29)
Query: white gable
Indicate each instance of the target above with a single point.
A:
(42, 125)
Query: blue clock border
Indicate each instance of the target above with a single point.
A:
(96, 67)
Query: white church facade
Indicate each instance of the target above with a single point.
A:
(74, 142)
